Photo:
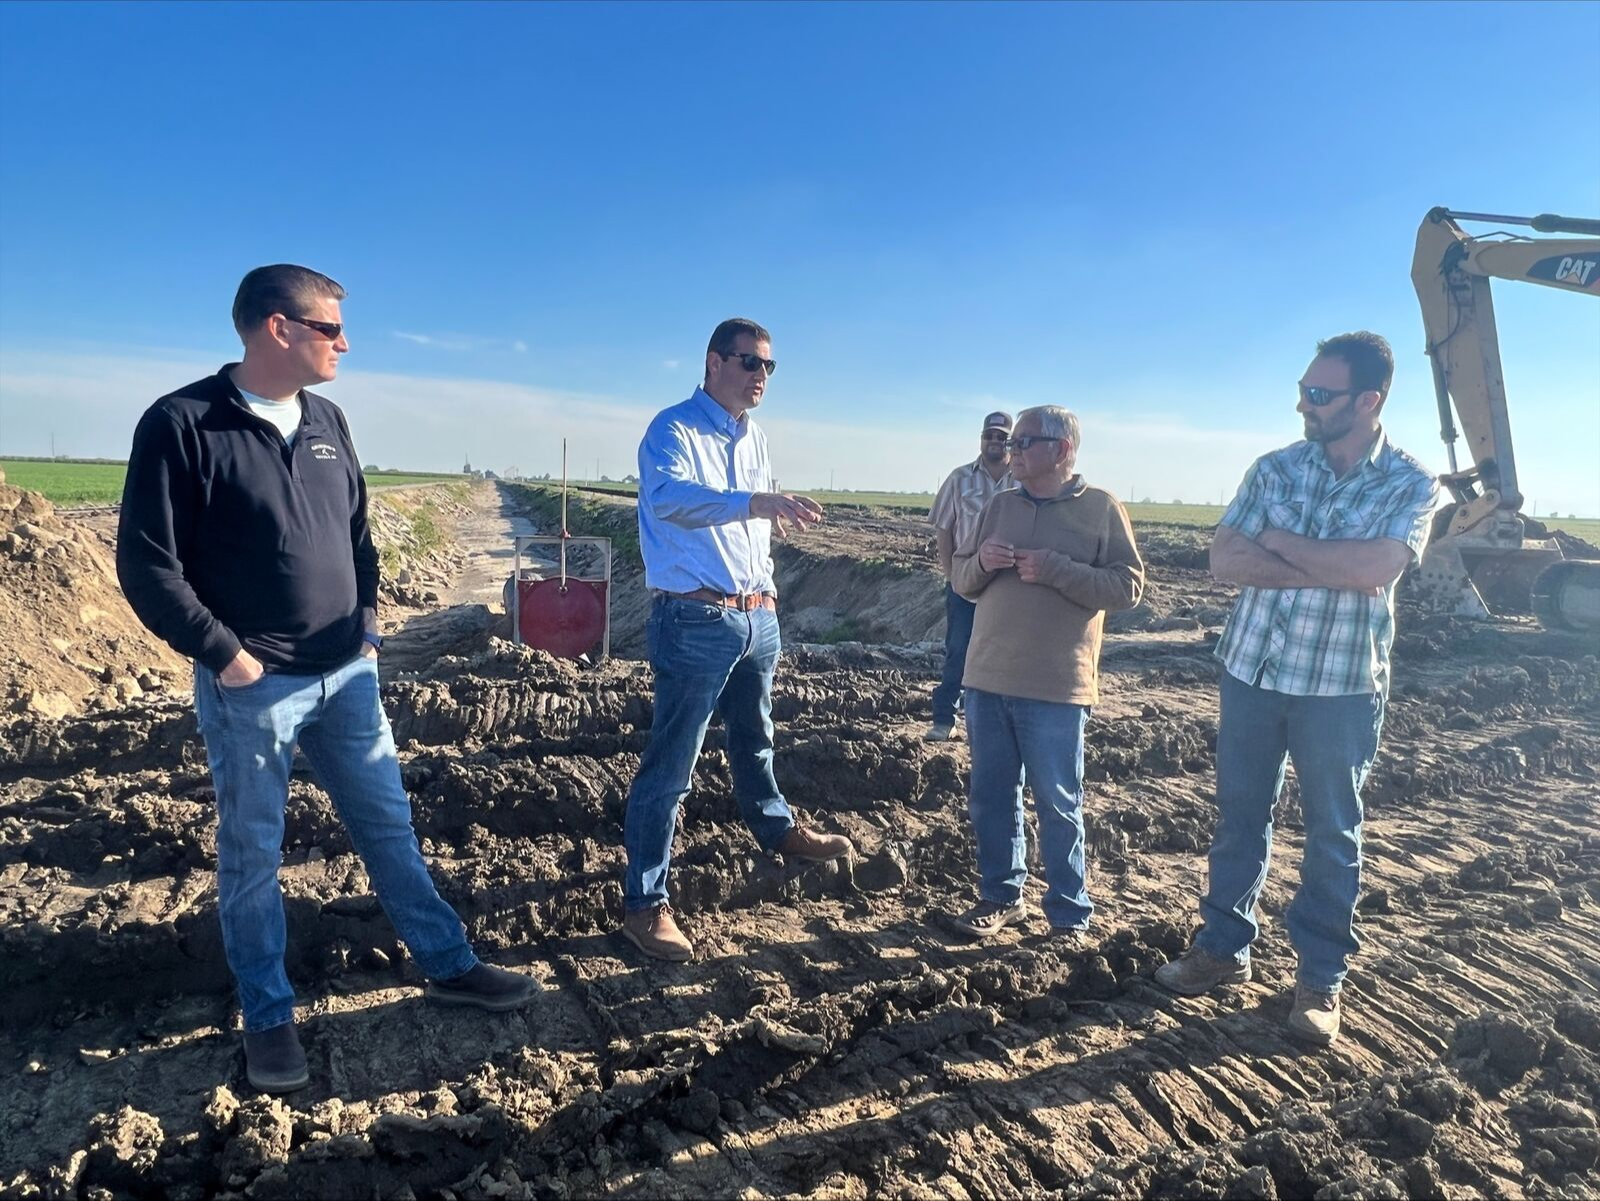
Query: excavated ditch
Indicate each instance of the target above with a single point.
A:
(834, 1037)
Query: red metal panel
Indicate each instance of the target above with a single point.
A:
(564, 620)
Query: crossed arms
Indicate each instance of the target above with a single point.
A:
(1279, 559)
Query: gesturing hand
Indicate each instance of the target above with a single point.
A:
(1032, 565)
(995, 555)
(785, 510)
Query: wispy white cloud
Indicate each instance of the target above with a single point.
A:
(461, 342)
(669, 364)
(443, 341)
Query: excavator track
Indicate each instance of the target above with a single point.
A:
(1566, 595)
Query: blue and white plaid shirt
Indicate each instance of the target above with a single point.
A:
(1324, 641)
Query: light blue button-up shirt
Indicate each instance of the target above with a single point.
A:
(698, 469)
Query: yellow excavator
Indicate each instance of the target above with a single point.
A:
(1485, 556)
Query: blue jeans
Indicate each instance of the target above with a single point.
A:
(958, 612)
(706, 659)
(1333, 741)
(1041, 742)
(338, 721)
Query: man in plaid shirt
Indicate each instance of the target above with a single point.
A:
(954, 515)
(1318, 535)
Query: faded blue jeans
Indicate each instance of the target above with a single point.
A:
(338, 721)
(958, 614)
(1015, 740)
(707, 659)
(1333, 741)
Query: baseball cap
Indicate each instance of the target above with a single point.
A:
(998, 420)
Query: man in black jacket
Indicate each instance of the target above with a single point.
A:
(244, 544)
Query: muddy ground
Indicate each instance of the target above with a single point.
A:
(834, 1037)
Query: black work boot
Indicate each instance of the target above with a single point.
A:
(484, 987)
(273, 1060)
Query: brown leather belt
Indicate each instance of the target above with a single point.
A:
(744, 603)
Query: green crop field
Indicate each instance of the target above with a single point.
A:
(65, 482)
(395, 479)
(1204, 516)
(1587, 528)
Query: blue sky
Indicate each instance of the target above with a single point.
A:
(1146, 212)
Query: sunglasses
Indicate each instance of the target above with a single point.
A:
(328, 329)
(1027, 440)
(751, 361)
(1322, 397)
(995, 435)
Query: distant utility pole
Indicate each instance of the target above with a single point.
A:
(830, 479)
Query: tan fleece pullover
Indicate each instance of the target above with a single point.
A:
(1042, 641)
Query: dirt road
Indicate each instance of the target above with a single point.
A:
(834, 1037)
(467, 607)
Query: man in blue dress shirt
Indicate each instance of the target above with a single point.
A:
(707, 508)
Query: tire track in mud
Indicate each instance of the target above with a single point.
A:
(833, 1036)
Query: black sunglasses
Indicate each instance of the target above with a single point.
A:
(1027, 440)
(750, 361)
(1322, 397)
(328, 329)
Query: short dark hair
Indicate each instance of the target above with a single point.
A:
(726, 334)
(281, 288)
(1369, 357)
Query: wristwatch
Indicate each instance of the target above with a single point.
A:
(375, 639)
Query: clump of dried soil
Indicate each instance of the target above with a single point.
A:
(67, 637)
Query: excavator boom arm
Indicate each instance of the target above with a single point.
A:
(1451, 272)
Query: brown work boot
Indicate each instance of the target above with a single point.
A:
(1315, 1015)
(656, 933)
(1199, 971)
(800, 843)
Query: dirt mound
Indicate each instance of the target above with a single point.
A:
(70, 643)
(1574, 547)
(67, 637)
(412, 528)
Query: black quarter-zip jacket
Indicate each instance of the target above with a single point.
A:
(229, 537)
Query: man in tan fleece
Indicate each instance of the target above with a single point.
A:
(1047, 561)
